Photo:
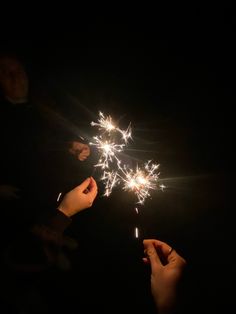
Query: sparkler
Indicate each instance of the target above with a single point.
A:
(107, 125)
(136, 232)
(110, 179)
(108, 150)
(110, 142)
(106, 142)
(141, 180)
(59, 196)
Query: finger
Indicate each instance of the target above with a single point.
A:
(85, 150)
(86, 153)
(93, 183)
(93, 189)
(170, 255)
(77, 145)
(152, 254)
(162, 247)
(86, 147)
(81, 158)
(85, 184)
(176, 259)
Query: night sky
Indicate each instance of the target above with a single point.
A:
(174, 80)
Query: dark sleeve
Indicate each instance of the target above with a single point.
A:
(37, 249)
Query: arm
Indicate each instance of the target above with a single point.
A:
(38, 249)
(166, 271)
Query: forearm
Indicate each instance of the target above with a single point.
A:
(52, 228)
(37, 249)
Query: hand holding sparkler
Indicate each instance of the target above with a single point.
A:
(79, 198)
(79, 150)
(166, 270)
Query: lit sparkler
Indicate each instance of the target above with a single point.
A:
(140, 181)
(107, 125)
(110, 179)
(108, 150)
(106, 142)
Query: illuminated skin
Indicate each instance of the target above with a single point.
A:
(79, 150)
(79, 198)
(166, 271)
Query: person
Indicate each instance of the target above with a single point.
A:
(42, 247)
(13, 109)
(166, 264)
(25, 126)
(34, 145)
(15, 89)
(36, 255)
(52, 226)
(166, 271)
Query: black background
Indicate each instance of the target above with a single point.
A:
(172, 76)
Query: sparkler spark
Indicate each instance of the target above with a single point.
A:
(139, 181)
(110, 178)
(106, 142)
(59, 196)
(108, 151)
(107, 125)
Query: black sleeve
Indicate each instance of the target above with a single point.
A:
(37, 249)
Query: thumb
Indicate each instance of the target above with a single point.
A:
(152, 254)
(84, 185)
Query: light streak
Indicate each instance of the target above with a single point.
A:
(59, 196)
(110, 142)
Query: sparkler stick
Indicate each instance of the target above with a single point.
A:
(111, 142)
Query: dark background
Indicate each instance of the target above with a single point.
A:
(173, 77)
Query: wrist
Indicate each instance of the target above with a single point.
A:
(64, 211)
(166, 304)
(166, 309)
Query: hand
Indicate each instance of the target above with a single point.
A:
(9, 192)
(80, 150)
(166, 270)
(79, 198)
